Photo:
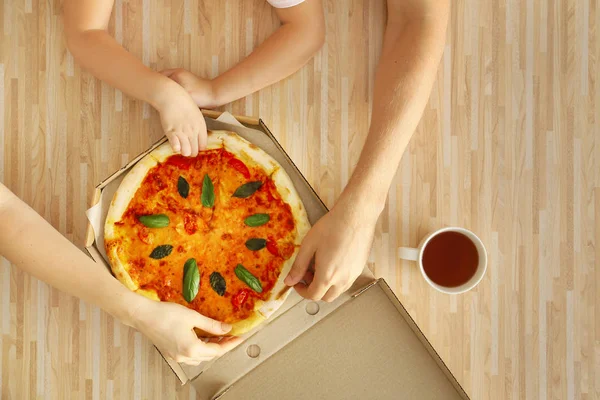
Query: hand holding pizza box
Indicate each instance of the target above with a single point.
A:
(328, 243)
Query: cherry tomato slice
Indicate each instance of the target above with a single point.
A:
(190, 223)
(240, 167)
(145, 235)
(272, 247)
(240, 298)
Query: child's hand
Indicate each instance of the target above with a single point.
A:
(201, 90)
(183, 123)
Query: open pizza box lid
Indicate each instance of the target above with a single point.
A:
(362, 345)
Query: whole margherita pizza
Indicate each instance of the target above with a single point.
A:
(216, 233)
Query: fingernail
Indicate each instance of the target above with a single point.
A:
(225, 327)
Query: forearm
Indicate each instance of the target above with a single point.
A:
(97, 52)
(34, 246)
(282, 54)
(403, 82)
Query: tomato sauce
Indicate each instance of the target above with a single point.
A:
(215, 237)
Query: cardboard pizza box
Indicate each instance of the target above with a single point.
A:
(362, 345)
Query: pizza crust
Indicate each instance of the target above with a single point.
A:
(240, 327)
(125, 193)
(249, 154)
(118, 206)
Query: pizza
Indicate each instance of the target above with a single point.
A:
(216, 233)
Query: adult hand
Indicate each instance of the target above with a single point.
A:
(340, 243)
(170, 327)
(182, 122)
(201, 90)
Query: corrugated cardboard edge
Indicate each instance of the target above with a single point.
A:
(415, 328)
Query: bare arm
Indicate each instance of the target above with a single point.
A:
(413, 45)
(300, 36)
(95, 50)
(34, 246)
(86, 24)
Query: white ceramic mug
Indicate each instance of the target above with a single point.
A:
(416, 254)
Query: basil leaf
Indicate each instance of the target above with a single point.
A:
(208, 192)
(217, 282)
(246, 276)
(255, 244)
(191, 280)
(183, 187)
(247, 189)
(161, 251)
(257, 220)
(154, 221)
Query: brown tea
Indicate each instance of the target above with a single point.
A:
(450, 259)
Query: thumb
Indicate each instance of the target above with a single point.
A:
(301, 263)
(210, 325)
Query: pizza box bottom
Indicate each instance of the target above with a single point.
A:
(362, 345)
(367, 348)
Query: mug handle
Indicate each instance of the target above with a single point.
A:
(408, 253)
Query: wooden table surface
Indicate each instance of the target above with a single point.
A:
(509, 147)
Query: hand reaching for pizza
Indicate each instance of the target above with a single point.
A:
(183, 122)
(202, 90)
(340, 244)
(171, 326)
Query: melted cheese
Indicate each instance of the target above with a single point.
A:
(215, 237)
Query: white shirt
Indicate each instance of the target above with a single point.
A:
(284, 3)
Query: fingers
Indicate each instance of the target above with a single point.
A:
(315, 291)
(194, 146)
(333, 293)
(308, 277)
(210, 325)
(174, 140)
(193, 362)
(205, 351)
(197, 353)
(229, 343)
(210, 350)
(186, 148)
(301, 264)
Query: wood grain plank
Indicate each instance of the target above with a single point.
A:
(508, 146)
